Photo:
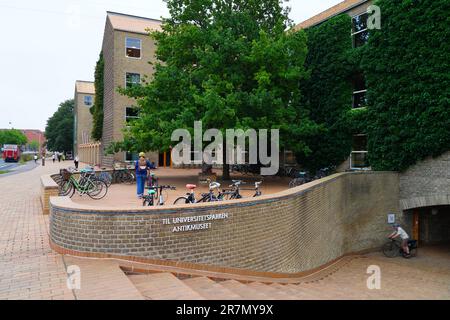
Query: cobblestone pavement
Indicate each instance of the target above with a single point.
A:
(29, 269)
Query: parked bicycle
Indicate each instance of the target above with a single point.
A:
(121, 174)
(235, 191)
(393, 248)
(301, 178)
(94, 188)
(205, 197)
(156, 193)
(106, 177)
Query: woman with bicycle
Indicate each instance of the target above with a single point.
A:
(142, 167)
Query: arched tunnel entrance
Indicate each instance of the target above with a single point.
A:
(430, 225)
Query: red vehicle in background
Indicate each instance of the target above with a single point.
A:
(11, 152)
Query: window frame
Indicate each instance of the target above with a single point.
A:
(140, 79)
(140, 49)
(84, 100)
(358, 152)
(352, 34)
(127, 117)
(353, 99)
(125, 157)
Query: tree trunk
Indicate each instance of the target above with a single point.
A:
(225, 166)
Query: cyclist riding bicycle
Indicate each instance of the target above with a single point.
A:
(399, 232)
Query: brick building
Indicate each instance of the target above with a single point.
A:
(127, 51)
(84, 147)
(424, 187)
(34, 135)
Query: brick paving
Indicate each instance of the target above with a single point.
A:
(29, 269)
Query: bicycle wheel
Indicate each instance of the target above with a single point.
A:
(106, 177)
(65, 189)
(391, 249)
(127, 177)
(99, 191)
(181, 200)
(148, 201)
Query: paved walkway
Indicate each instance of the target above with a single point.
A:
(29, 269)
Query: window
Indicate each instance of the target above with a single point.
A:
(133, 47)
(360, 32)
(88, 100)
(132, 79)
(131, 114)
(359, 91)
(358, 157)
(131, 156)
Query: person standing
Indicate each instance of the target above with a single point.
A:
(142, 167)
(76, 160)
(53, 157)
(59, 156)
(35, 158)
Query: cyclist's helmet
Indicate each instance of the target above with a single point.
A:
(395, 225)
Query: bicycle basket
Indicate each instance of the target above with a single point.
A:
(65, 174)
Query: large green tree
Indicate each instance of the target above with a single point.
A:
(12, 136)
(229, 63)
(407, 66)
(60, 126)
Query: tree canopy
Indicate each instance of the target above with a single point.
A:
(60, 126)
(12, 136)
(229, 63)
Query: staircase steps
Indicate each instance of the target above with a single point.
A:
(274, 293)
(210, 289)
(163, 286)
(244, 291)
(294, 292)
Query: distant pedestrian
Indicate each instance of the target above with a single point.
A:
(53, 158)
(76, 160)
(35, 158)
(59, 156)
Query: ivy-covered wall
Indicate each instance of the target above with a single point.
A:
(327, 94)
(407, 67)
(97, 109)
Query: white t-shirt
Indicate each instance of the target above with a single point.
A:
(402, 233)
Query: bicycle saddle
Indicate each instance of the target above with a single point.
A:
(214, 185)
(191, 186)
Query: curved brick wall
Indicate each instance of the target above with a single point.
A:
(290, 232)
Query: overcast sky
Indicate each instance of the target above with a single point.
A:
(46, 45)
